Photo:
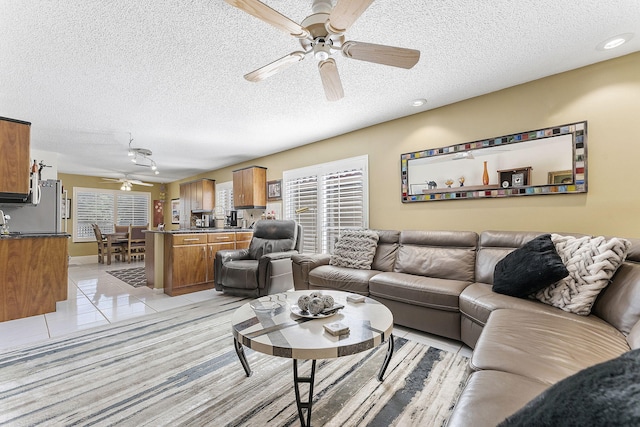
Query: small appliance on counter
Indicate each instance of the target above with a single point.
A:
(233, 218)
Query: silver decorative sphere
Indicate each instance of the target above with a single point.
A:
(328, 301)
(316, 306)
(316, 294)
(303, 302)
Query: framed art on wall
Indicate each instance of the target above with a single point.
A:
(274, 190)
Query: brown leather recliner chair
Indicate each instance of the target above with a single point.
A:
(265, 267)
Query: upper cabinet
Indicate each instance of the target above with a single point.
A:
(250, 188)
(197, 195)
(14, 160)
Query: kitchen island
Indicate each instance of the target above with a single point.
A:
(182, 261)
(33, 273)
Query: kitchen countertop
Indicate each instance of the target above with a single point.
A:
(201, 230)
(31, 234)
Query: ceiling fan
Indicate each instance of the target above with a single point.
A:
(127, 183)
(321, 34)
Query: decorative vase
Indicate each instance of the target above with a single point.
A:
(485, 175)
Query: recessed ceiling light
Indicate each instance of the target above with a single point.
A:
(615, 41)
(418, 102)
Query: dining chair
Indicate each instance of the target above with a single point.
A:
(117, 248)
(136, 241)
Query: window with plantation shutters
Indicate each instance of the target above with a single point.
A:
(132, 208)
(300, 198)
(326, 199)
(224, 196)
(107, 208)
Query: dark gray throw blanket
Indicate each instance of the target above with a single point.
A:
(607, 394)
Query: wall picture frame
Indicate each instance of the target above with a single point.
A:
(175, 211)
(560, 177)
(274, 190)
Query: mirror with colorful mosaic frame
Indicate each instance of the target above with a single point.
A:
(543, 161)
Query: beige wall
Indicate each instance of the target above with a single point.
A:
(70, 181)
(606, 94)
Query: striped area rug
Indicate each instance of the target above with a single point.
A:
(178, 368)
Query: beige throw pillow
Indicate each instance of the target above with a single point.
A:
(591, 262)
(355, 249)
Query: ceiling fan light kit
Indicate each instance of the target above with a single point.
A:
(321, 34)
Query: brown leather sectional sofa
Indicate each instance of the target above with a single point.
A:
(440, 282)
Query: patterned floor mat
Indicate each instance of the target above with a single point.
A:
(132, 276)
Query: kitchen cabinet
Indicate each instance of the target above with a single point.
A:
(218, 242)
(185, 263)
(243, 239)
(33, 276)
(181, 263)
(15, 162)
(250, 188)
(197, 195)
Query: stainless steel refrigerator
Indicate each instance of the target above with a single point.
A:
(46, 216)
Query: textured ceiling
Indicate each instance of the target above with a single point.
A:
(87, 73)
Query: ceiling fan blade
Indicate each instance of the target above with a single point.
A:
(330, 79)
(275, 67)
(136, 182)
(112, 179)
(270, 16)
(381, 54)
(344, 14)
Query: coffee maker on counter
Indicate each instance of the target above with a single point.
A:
(232, 219)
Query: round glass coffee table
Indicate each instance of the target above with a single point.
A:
(270, 326)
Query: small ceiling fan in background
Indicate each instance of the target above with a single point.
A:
(127, 183)
(321, 34)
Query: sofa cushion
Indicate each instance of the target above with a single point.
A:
(619, 303)
(385, 257)
(529, 268)
(494, 246)
(341, 279)
(478, 301)
(430, 292)
(438, 254)
(490, 396)
(591, 263)
(604, 394)
(544, 347)
(355, 249)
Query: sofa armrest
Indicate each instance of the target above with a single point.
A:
(302, 265)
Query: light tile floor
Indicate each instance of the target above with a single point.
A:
(96, 298)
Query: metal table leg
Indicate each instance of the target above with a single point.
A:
(387, 359)
(242, 357)
(297, 380)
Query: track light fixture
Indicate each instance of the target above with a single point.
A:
(142, 157)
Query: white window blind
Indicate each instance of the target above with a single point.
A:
(132, 208)
(326, 199)
(107, 208)
(300, 199)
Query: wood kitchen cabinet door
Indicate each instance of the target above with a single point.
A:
(14, 161)
(250, 188)
(189, 266)
(218, 242)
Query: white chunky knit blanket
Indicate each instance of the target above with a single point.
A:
(591, 262)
